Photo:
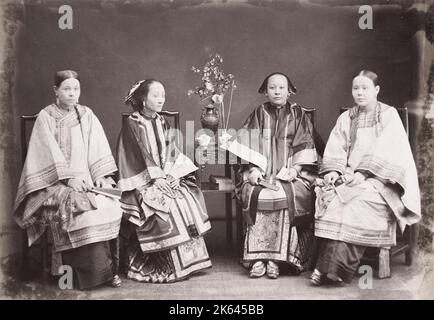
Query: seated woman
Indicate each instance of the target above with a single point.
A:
(277, 141)
(68, 155)
(164, 209)
(370, 183)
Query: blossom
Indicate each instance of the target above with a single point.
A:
(209, 86)
(217, 98)
(224, 139)
(203, 140)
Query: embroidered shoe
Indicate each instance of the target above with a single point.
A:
(116, 281)
(258, 269)
(272, 270)
(316, 278)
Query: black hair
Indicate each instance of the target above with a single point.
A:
(370, 75)
(62, 75)
(263, 88)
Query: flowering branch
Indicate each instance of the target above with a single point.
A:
(214, 80)
(214, 85)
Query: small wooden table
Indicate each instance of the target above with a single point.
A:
(209, 156)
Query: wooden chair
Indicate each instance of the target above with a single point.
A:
(320, 146)
(42, 243)
(406, 242)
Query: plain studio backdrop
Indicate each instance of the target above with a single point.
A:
(114, 43)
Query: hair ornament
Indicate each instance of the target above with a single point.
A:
(132, 90)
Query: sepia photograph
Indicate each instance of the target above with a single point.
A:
(217, 150)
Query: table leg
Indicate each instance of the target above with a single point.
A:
(228, 197)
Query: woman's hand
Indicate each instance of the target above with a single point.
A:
(174, 183)
(103, 183)
(163, 185)
(331, 177)
(254, 176)
(77, 185)
(355, 179)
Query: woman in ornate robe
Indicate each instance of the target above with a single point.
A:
(277, 141)
(164, 209)
(370, 184)
(68, 154)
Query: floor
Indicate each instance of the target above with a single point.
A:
(228, 279)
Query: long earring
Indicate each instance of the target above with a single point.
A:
(57, 99)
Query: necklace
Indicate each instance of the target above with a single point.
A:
(63, 110)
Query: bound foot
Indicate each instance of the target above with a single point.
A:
(272, 270)
(116, 281)
(258, 269)
(316, 278)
